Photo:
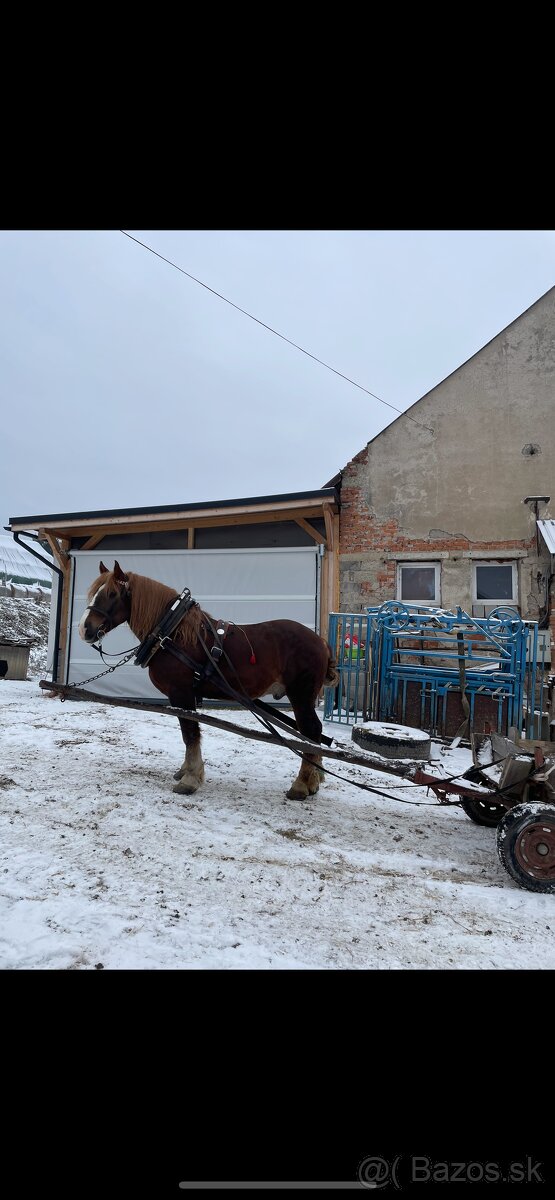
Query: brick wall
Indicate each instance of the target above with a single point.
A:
(362, 532)
(370, 547)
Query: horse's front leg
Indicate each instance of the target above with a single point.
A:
(191, 771)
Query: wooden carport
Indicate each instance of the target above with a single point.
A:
(315, 513)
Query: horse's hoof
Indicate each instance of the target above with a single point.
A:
(186, 786)
(313, 781)
(179, 773)
(297, 793)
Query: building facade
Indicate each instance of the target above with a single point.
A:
(442, 507)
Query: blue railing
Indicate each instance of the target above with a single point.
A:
(410, 663)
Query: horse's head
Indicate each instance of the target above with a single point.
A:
(108, 604)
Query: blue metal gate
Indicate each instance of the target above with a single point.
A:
(349, 637)
(430, 668)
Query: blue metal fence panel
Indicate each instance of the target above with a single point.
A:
(349, 638)
(390, 653)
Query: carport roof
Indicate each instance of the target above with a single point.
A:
(286, 506)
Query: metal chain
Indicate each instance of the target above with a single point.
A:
(81, 682)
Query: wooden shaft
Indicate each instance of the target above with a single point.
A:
(66, 691)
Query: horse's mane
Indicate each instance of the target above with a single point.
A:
(149, 601)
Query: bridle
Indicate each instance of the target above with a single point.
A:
(102, 629)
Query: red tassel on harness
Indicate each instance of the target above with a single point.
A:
(252, 659)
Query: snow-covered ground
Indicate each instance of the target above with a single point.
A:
(22, 619)
(103, 865)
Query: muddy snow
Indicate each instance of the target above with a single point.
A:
(102, 865)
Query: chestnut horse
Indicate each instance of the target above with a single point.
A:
(281, 656)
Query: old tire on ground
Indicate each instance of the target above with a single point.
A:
(526, 845)
(393, 741)
(482, 810)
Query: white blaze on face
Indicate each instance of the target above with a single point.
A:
(81, 625)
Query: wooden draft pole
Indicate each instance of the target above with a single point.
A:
(68, 692)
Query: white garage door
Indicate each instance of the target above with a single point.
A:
(236, 585)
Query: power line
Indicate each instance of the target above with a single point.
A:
(275, 331)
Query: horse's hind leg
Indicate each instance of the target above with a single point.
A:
(309, 724)
(191, 771)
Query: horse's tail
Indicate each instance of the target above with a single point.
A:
(332, 674)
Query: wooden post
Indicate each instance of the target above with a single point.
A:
(328, 601)
(324, 596)
(336, 581)
(64, 623)
(330, 577)
(60, 553)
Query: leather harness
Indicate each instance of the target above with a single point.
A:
(160, 639)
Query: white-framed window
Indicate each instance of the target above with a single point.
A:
(418, 582)
(495, 583)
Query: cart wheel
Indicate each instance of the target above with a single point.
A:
(482, 811)
(526, 845)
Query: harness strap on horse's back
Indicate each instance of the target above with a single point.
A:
(160, 639)
(197, 668)
(202, 672)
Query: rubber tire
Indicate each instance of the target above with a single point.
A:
(509, 830)
(483, 811)
(392, 746)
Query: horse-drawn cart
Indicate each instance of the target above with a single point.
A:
(190, 655)
(515, 792)
(509, 786)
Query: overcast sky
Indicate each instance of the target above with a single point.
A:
(124, 383)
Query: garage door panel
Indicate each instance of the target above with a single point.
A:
(244, 586)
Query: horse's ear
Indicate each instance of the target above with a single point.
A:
(119, 574)
(103, 569)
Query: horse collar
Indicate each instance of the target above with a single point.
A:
(165, 627)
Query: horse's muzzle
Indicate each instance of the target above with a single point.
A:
(93, 635)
